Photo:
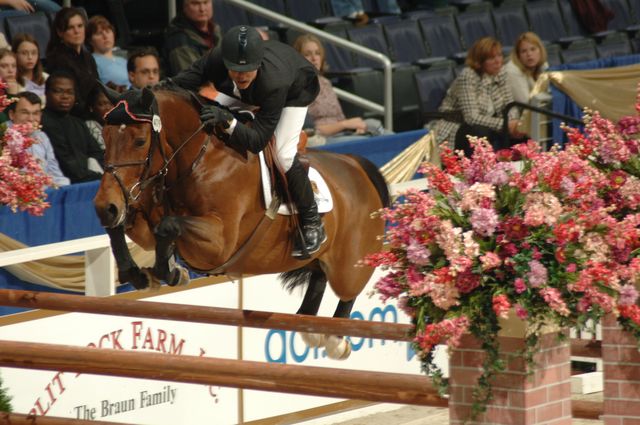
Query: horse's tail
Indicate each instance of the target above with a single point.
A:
(292, 279)
(376, 178)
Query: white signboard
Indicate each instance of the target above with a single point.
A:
(141, 401)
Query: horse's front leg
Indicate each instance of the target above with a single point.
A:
(165, 267)
(128, 270)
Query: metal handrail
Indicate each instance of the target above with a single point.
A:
(387, 108)
(547, 112)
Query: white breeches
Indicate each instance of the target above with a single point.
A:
(287, 132)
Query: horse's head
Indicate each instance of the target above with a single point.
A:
(134, 154)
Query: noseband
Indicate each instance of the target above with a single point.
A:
(122, 115)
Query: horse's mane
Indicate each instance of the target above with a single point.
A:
(170, 87)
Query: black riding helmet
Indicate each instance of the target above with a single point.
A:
(242, 49)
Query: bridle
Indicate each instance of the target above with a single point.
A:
(147, 178)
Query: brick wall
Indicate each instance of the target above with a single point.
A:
(621, 361)
(543, 397)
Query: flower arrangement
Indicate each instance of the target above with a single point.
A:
(493, 235)
(22, 180)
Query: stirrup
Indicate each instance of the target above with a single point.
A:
(301, 248)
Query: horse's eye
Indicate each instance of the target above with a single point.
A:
(140, 142)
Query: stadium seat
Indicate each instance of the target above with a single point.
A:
(35, 24)
(553, 54)
(622, 16)
(276, 6)
(580, 51)
(432, 85)
(545, 20)
(405, 41)
(511, 21)
(574, 27)
(338, 58)
(228, 15)
(475, 24)
(616, 44)
(370, 36)
(441, 35)
(308, 11)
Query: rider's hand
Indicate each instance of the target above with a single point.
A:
(211, 116)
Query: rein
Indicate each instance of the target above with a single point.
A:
(132, 194)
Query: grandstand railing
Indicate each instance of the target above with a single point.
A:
(387, 109)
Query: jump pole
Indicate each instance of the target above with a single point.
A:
(309, 380)
(199, 314)
(7, 418)
(229, 316)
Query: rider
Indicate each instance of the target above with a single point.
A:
(280, 83)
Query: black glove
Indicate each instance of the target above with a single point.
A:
(212, 116)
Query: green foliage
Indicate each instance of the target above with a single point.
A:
(5, 399)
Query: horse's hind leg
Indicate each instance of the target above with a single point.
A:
(338, 347)
(128, 270)
(311, 304)
(165, 268)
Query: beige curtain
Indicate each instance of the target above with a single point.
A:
(403, 167)
(62, 272)
(611, 91)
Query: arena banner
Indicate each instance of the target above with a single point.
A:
(115, 399)
(141, 401)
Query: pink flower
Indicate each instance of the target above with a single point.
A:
(553, 297)
(417, 253)
(521, 312)
(519, 285)
(484, 221)
(501, 305)
(537, 275)
(490, 261)
(628, 295)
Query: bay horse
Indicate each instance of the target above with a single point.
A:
(174, 188)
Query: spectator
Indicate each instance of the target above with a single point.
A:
(28, 110)
(325, 111)
(143, 67)
(476, 100)
(9, 8)
(66, 52)
(30, 72)
(354, 9)
(190, 35)
(99, 105)
(29, 6)
(78, 153)
(3, 41)
(112, 69)
(528, 61)
(8, 71)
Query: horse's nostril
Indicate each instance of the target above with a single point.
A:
(112, 209)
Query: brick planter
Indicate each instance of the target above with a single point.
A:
(543, 397)
(621, 361)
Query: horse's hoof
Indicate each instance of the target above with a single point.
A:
(337, 348)
(138, 278)
(179, 276)
(313, 340)
(154, 283)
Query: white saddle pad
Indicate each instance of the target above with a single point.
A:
(320, 189)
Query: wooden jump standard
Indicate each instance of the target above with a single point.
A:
(229, 316)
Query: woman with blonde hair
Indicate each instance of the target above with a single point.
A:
(327, 115)
(476, 99)
(30, 75)
(528, 62)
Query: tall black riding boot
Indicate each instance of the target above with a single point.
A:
(313, 234)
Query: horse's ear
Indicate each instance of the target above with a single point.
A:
(147, 98)
(111, 94)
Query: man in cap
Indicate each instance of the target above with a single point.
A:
(279, 83)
